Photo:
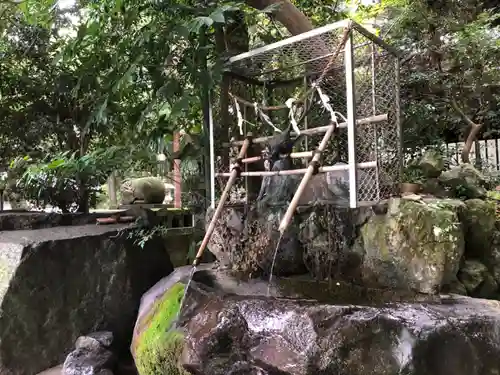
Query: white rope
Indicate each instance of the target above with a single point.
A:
(325, 100)
(238, 114)
(264, 117)
(291, 114)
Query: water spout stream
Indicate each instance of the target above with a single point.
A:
(191, 275)
(272, 265)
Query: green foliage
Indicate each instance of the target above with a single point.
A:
(413, 174)
(142, 235)
(17, 168)
(450, 52)
(131, 73)
(66, 179)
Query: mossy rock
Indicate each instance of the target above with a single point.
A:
(158, 348)
(464, 181)
(472, 274)
(479, 220)
(433, 187)
(416, 245)
(455, 287)
(432, 163)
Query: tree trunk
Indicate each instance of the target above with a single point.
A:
(296, 23)
(473, 132)
(84, 200)
(287, 14)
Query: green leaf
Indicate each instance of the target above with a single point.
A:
(92, 28)
(195, 25)
(56, 163)
(23, 7)
(218, 16)
(180, 106)
(82, 31)
(182, 30)
(165, 110)
(271, 8)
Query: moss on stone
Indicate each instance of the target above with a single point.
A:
(479, 220)
(418, 223)
(159, 347)
(418, 244)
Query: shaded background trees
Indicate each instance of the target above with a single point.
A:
(130, 73)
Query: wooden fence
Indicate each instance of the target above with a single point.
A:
(485, 154)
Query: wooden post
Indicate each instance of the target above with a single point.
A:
(293, 155)
(112, 191)
(220, 206)
(317, 130)
(177, 172)
(305, 180)
(292, 172)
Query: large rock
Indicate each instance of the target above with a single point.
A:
(493, 260)
(328, 233)
(417, 245)
(95, 340)
(59, 283)
(222, 334)
(472, 274)
(229, 235)
(84, 361)
(247, 241)
(432, 186)
(268, 249)
(479, 220)
(146, 189)
(465, 181)
(431, 163)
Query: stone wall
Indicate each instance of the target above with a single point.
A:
(18, 220)
(59, 283)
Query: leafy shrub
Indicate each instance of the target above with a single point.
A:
(13, 192)
(69, 181)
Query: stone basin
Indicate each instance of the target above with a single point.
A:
(229, 325)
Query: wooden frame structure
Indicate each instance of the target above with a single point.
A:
(352, 124)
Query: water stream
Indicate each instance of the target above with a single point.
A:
(272, 264)
(191, 275)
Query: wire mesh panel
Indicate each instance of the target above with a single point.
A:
(270, 77)
(376, 93)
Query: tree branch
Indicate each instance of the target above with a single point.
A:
(471, 137)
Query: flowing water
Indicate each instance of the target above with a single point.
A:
(191, 275)
(272, 264)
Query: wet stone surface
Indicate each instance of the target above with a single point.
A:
(230, 326)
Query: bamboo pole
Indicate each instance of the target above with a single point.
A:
(220, 206)
(293, 155)
(305, 180)
(317, 130)
(289, 172)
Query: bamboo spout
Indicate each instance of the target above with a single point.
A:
(223, 198)
(285, 222)
(293, 155)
